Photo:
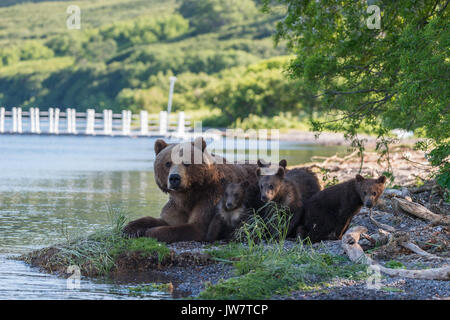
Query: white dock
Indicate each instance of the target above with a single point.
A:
(91, 123)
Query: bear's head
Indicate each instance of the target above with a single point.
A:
(369, 190)
(234, 195)
(178, 167)
(270, 184)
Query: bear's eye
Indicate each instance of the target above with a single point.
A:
(271, 187)
(374, 193)
(168, 164)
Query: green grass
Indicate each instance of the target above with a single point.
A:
(37, 66)
(145, 289)
(394, 265)
(262, 272)
(391, 289)
(264, 267)
(97, 253)
(46, 19)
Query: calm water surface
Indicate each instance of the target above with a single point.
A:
(51, 186)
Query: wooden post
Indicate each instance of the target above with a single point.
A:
(32, 123)
(90, 121)
(37, 121)
(126, 122)
(14, 119)
(51, 120)
(144, 123)
(2, 120)
(181, 123)
(56, 122)
(172, 85)
(19, 120)
(71, 115)
(69, 120)
(163, 122)
(107, 122)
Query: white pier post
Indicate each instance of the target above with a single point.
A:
(32, 123)
(14, 119)
(107, 122)
(56, 122)
(163, 123)
(69, 120)
(144, 122)
(19, 120)
(90, 121)
(51, 120)
(2, 120)
(37, 121)
(74, 121)
(181, 123)
(126, 122)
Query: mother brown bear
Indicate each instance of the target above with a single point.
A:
(195, 181)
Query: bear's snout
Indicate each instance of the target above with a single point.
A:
(229, 205)
(174, 181)
(369, 203)
(264, 198)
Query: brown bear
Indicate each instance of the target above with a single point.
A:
(329, 212)
(239, 201)
(288, 188)
(193, 179)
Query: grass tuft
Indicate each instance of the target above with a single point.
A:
(97, 253)
(264, 267)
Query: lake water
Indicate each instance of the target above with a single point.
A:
(54, 185)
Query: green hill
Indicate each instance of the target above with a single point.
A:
(126, 50)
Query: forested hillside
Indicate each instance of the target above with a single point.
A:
(126, 50)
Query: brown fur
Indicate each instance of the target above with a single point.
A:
(288, 188)
(193, 195)
(238, 203)
(329, 212)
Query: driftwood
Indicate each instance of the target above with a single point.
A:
(421, 189)
(356, 254)
(421, 212)
(389, 193)
(416, 249)
(334, 158)
(379, 224)
(400, 239)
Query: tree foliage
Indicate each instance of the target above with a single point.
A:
(210, 15)
(393, 77)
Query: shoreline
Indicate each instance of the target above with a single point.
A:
(291, 135)
(190, 268)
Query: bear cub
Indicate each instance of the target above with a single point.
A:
(238, 202)
(289, 188)
(327, 215)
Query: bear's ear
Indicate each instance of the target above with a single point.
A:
(381, 179)
(200, 143)
(280, 172)
(359, 178)
(159, 146)
(258, 172)
(283, 163)
(262, 164)
(245, 184)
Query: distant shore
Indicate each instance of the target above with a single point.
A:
(324, 138)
